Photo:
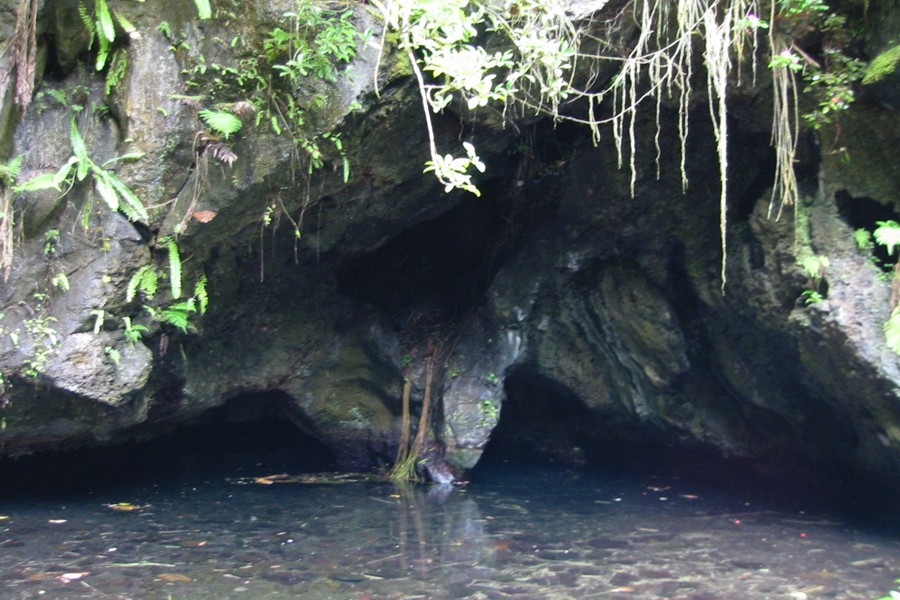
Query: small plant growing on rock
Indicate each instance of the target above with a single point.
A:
(887, 234)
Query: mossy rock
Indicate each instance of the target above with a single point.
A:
(883, 66)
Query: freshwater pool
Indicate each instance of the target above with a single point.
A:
(528, 533)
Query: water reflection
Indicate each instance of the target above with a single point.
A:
(540, 534)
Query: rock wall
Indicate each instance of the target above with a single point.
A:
(556, 294)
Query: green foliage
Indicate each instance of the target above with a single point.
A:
(863, 239)
(893, 594)
(179, 313)
(44, 337)
(174, 268)
(802, 7)
(888, 235)
(221, 122)
(312, 43)
(145, 280)
(111, 189)
(892, 331)
(113, 354)
(9, 171)
(811, 297)
(814, 265)
(133, 331)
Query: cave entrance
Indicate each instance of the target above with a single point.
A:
(542, 422)
(249, 435)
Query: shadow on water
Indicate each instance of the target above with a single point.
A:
(243, 436)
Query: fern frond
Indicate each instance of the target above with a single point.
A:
(144, 279)
(106, 191)
(79, 150)
(87, 20)
(124, 23)
(174, 268)
(107, 28)
(10, 171)
(129, 203)
(201, 295)
(221, 121)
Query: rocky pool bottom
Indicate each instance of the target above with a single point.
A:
(196, 516)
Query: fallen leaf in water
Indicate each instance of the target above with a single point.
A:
(270, 479)
(125, 506)
(174, 578)
(67, 577)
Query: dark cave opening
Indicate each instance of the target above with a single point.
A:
(545, 425)
(862, 213)
(249, 435)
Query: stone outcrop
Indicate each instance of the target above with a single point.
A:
(556, 294)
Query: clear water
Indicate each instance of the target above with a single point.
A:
(529, 534)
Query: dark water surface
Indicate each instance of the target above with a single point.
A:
(532, 533)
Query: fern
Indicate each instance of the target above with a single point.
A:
(221, 121)
(87, 21)
(179, 315)
(174, 268)
(106, 26)
(129, 203)
(10, 171)
(146, 280)
(201, 295)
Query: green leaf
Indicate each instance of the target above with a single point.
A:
(145, 279)
(201, 295)
(107, 28)
(204, 10)
(863, 238)
(892, 331)
(107, 193)
(125, 24)
(174, 268)
(129, 156)
(129, 203)
(48, 180)
(221, 121)
(79, 149)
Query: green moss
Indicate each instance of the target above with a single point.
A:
(883, 65)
